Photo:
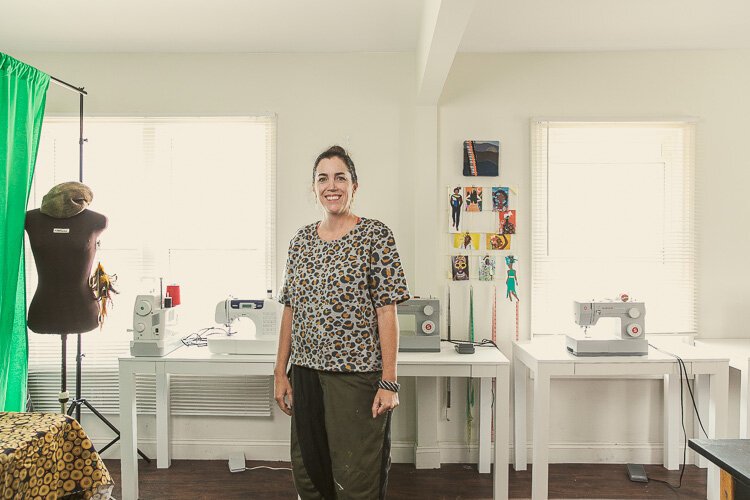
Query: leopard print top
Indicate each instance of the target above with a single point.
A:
(334, 288)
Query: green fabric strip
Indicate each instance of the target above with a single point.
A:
(23, 94)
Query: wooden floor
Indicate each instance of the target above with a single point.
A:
(200, 479)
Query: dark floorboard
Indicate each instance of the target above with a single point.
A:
(209, 479)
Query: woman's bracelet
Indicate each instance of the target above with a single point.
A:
(388, 386)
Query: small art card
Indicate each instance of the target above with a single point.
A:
(508, 222)
(487, 268)
(473, 198)
(500, 197)
(460, 267)
(456, 203)
(466, 241)
(496, 241)
(481, 158)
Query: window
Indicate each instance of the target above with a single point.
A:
(612, 212)
(188, 200)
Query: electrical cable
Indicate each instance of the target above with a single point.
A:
(267, 467)
(481, 343)
(200, 338)
(683, 380)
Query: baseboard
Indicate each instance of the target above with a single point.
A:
(401, 451)
(217, 449)
(613, 453)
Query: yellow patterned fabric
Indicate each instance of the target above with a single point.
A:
(46, 456)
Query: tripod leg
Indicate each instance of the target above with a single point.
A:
(79, 359)
(63, 395)
(108, 424)
(101, 417)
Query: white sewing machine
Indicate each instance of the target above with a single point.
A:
(631, 340)
(259, 336)
(419, 325)
(154, 327)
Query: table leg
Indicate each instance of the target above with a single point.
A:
(163, 458)
(485, 426)
(672, 421)
(520, 376)
(502, 423)
(128, 435)
(702, 395)
(717, 423)
(427, 451)
(744, 401)
(540, 448)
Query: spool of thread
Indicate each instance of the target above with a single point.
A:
(174, 292)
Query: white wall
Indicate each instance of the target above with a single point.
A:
(494, 96)
(366, 102)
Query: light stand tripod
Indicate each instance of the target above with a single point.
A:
(75, 404)
(79, 401)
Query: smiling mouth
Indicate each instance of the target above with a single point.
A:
(333, 197)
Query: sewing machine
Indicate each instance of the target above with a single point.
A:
(154, 327)
(259, 336)
(631, 340)
(419, 325)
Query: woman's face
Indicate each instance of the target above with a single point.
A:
(333, 186)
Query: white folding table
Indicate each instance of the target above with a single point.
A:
(487, 364)
(738, 352)
(547, 357)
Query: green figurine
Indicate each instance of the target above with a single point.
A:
(512, 280)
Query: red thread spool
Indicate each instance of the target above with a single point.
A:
(174, 292)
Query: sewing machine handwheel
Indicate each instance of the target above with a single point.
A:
(143, 308)
(634, 330)
(428, 327)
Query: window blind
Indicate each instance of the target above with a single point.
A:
(613, 212)
(188, 200)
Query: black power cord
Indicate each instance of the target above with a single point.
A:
(200, 338)
(683, 380)
(481, 343)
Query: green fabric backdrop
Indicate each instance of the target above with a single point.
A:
(23, 93)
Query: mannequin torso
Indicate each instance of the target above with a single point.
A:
(64, 251)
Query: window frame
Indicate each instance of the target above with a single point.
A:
(99, 381)
(539, 170)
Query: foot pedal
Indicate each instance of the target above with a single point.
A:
(237, 462)
(637, 473)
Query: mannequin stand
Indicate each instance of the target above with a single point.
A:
(75, 404)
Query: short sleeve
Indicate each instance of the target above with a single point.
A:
(386, 281)
(285, 297)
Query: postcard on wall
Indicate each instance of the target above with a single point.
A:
(473, 198)
(500, 196)
(456, 202)
(486, 268)
(466, 240)
(481, 158)
(460, 267)
(508, 222)
(498, 241)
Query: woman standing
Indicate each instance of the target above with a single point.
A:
(339, 329)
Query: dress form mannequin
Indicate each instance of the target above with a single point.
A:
(63, 235)
(64, 251)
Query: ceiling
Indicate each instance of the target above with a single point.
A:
(304, 26)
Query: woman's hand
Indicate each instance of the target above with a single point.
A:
(385, 400)
(282, 392)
